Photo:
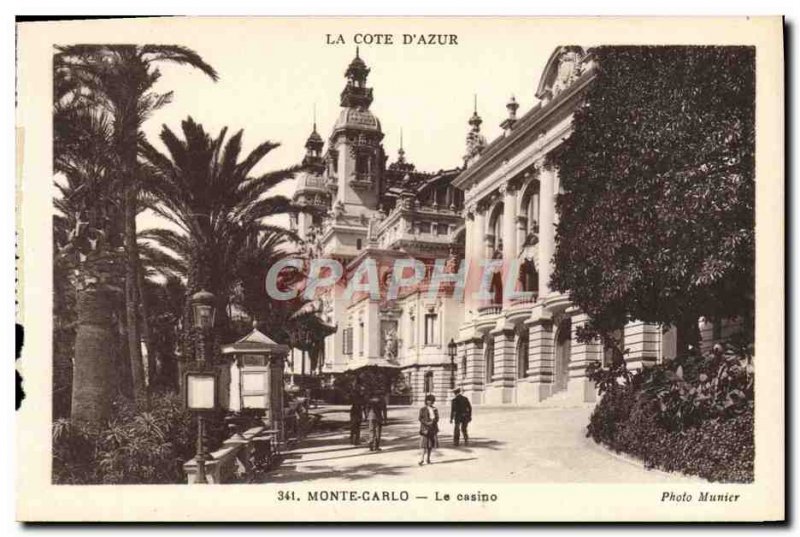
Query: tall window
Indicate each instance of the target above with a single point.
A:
(464, 365)
(361, 338)
(362, 165)
(431, 329)
(429, 382)
(489, 358)
(522, 355)
(347, 341)
(412, 330)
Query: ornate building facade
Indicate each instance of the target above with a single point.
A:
(500, 208)
(524, 350)
(376, 213)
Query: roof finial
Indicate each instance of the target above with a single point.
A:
(357, 51)
(315, 117)
(401, 137)
(475, 101)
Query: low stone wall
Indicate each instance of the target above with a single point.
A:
(239, 459)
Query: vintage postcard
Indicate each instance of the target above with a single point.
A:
(401, 269)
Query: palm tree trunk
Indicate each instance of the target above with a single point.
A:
(93, 373)
(152, 372)
(132, 292)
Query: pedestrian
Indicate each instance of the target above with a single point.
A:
(461, 415)
(428, 428)
(355, 420)
(375, 416)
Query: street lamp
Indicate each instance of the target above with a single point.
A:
(203, 310)
(451, 350)
(200, 381)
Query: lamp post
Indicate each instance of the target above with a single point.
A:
(201, 381)
(451, 350)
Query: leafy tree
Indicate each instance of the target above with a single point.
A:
(657, 215)
(118, 80)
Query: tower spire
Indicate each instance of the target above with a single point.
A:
(475, 120)
(356, 93)
(314, 145)
(401, 153)
(475, 140)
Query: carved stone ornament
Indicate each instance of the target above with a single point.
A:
(569, 69)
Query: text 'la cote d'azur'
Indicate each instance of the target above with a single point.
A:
(392, 39)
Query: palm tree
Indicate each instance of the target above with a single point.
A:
(119, 79)
(209, 194)
(85, 240)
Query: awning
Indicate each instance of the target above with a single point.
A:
(362, 363)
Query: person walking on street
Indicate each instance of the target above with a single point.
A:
(355, 420)
(375, 416)
(461, 415)
(428, 428)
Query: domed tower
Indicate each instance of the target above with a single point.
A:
(355, 155)
(310, 189)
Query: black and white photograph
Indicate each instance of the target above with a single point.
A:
(400, 265)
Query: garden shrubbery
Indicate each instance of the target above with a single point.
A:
(693, 414)
(136, 446)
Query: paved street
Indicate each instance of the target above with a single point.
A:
(509, 444)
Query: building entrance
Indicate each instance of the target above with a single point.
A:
(562, 355)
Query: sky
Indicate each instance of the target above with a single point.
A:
(274, 73)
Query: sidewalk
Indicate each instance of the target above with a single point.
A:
(508, 444)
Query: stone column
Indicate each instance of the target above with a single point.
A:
(579, 387)
(472, 383)
(642, 341)
(479, 244)
(469, 255)
(509, 235)
(501, 390)
(547, 230)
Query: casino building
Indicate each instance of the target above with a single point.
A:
(378, 212)
(499, 205)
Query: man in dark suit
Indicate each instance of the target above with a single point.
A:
(376, 416)
(355, 420)
(461, 415)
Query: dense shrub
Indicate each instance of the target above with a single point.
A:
(693, 415)
(136, 446)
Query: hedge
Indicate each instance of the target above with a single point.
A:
(699, 422)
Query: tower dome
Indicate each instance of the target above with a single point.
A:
(358, 119)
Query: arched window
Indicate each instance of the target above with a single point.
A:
(529, 208)
(528, 276)
(497, 229)
(464, 365)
